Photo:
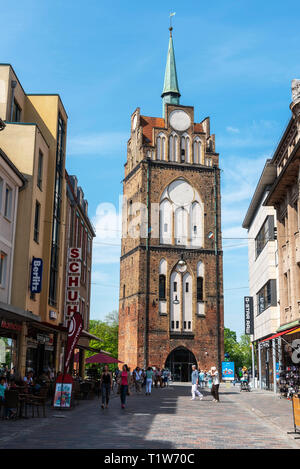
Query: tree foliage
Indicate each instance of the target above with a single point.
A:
(107, 331)
(239, 352)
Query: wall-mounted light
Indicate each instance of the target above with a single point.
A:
(176, 301)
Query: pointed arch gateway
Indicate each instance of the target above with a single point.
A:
(179, 363)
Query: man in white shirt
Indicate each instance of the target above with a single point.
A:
(215, 384)
(195, 382)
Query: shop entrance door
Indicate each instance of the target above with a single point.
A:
(179, 363)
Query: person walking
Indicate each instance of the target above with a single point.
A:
(165, 378)
(124, 381)
(201, 379)
(149, 379)
(215, 384)
(106, 384)
(195, 382)
(138, 377)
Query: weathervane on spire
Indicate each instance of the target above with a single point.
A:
(171, 27)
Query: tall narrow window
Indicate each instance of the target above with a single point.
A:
(3, 267)
(162, 287)
(160, 146)
(40, 170)
(197, 150)
(185, 146)
(173, 142)
(56, 226)
(8, 202)
(199, 288)
(36, 233)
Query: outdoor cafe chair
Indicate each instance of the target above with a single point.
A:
(39, 400)
(11, 400)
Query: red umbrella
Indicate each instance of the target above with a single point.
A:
(102, 358)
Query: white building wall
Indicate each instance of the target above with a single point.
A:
(8, 178)
(262, 269)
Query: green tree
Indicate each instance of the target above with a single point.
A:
(107, 331)
(239, 352)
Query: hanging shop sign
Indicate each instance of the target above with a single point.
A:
(249, 318)
(73, 282)
(36, 275)
(228, 371)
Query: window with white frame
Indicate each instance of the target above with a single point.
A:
(3, 268)
(8, 202)
(1, 193)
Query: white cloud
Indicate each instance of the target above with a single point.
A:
(107, 244)
(233, 130)
(102, 143)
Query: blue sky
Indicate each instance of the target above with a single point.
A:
(235, 62)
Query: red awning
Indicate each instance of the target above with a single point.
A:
(102, 358)
(279, 334)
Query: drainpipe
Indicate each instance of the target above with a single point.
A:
(259, 366)
(217, 267)
(13, 86)
(146, 351)
(253, 363)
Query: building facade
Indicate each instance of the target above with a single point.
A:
(171, 285)
(11, 182)
(261, 223)
(284, 197)
(80, 234)
(34, 138)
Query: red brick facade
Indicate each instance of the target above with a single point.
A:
(145, 336)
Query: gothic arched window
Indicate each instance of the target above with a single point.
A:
(181, 215)
(173, 144)
(197, 150)
(200, 289)
(175, 298)
(161, 146)
(187, 307)
(185, 148)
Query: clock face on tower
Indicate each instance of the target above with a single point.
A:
(180, 120)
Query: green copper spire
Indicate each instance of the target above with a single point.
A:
(170, 92)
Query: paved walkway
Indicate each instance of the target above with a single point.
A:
(168, 419)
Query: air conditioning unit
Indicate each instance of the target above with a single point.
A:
(52, 314)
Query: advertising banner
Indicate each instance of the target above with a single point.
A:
(249, 319)
(75, 328)
(63, 392)
(228, 371)
(36, 275)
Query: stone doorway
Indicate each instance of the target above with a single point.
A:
(180, 362)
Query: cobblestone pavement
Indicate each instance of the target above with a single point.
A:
(167, 419)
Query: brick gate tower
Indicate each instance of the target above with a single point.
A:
(171, 280)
